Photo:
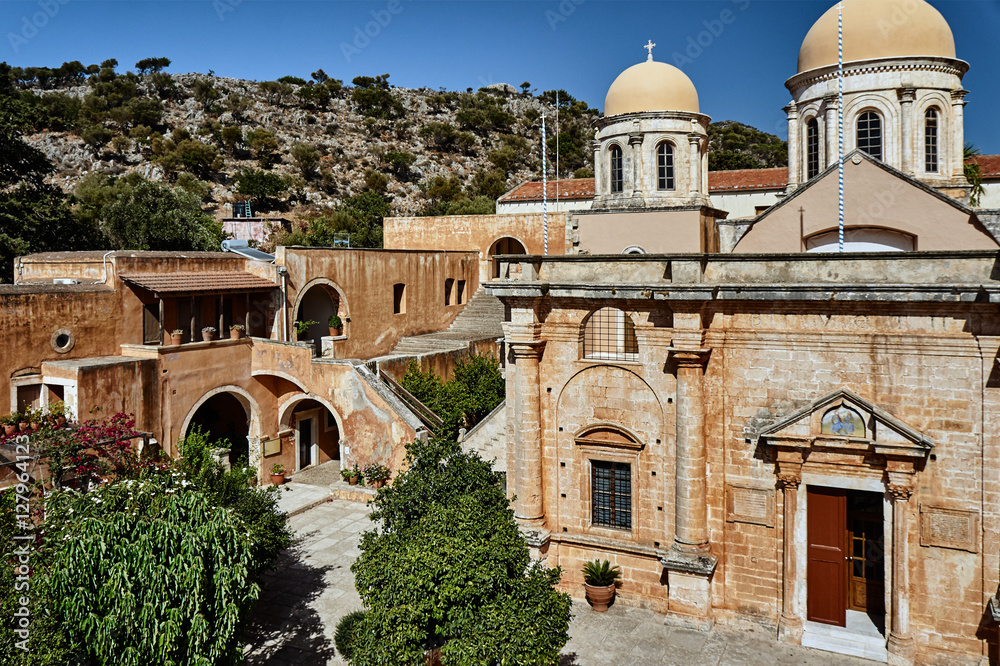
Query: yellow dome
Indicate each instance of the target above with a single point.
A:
(651, 86)
(878, 29)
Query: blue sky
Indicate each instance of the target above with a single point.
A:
(576, 45)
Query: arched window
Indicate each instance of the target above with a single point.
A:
(870, 134)
(812, 149)
(609, 335)
(931, 141)
(664, 166)
(616, 170)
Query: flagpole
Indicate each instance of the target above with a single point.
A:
(840, 115)
(545, 193)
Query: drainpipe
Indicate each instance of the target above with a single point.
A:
(104, 260)
(20, 271)
(283, 272)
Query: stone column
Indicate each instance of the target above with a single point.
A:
(794, 147)
(832, 137)
(906, 97)
(691, 504)
(901, 644)
(527, 434)
(596, 145)
(695, 141)
(790, 623)
(635, 144)
(955, 150)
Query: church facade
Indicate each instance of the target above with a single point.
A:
(754, 426)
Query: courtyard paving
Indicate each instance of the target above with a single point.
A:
(312, 588)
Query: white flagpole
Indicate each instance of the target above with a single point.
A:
(840, 114)
(545, 193)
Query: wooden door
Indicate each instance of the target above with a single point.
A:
(827, 555)
(305, 443)
(866, 577)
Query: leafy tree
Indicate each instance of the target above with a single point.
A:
(492, 184)
(264, 145)
(376, 182)
(152, 65)
(205, 92)
(157, 217)
(373, 98)
(261, 187)
(306, 159)
(973, 174)
(475, 389)
(448, 570)
(525, 87)
(319, 76)
(314, 96)
(231, 138)
(293, 80)
(399, 163)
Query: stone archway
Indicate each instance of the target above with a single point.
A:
(229, 412)
(318, 301)
(504, 245)
(318, 430)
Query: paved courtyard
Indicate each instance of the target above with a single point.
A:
(313, 588)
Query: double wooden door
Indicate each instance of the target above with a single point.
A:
(845, 554)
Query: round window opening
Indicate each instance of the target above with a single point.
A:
(63, 341)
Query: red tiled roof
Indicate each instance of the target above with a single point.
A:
(742, 180)
(569, 188)
(203, 282)
(989, 165)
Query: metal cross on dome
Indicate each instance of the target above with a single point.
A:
(649, 47)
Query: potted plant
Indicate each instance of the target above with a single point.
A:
(35, 419)
(177, 336)
(302, 328)
(599, 579)
(336, 324)
(351, 475)
(236, 331)
(277, 474)
(9, 426)
(22, 420)
(376, 475)
(208, 333)
(57, 412)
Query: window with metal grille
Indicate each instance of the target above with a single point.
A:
(870, 134)
(931, 141)
(664, 166)
(812, 149)
(617, 181)
(611, 494)
(609, 334)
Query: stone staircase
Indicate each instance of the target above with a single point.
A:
(480, 319)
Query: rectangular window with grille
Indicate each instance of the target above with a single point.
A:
(611, 494)
(931, 142)
(610, 335)
(812, 149)
(617, 171)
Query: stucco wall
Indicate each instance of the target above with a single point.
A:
(655, 232)
(873, 198)
(365, 279)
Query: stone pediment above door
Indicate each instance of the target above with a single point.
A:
(845, 422)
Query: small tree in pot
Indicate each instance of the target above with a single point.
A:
(599, 579)
(277, 474)
(336, 324)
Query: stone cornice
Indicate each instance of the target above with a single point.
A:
(861, 67)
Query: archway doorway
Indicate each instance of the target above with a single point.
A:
(318, 303)
(317, 434)
(223, 417)
(506, 245)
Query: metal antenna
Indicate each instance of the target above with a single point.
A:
(840, 115)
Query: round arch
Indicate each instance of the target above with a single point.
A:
(247, 401)
(287, 409)
(318, 300)
(888, 112)
(503, 245)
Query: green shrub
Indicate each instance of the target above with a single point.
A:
(344, 636)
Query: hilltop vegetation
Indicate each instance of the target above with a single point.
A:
(733, 145)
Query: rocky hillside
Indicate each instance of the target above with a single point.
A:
(327, 140)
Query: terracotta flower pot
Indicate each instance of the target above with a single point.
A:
(335, 331)
(207, 336)
(22, 426)
(235, 334)
(61, 421)
(176, 339)
(278, 479)
(599, 596)
(9, 429)
(353, 480)
(378, 484)
(35, 427)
